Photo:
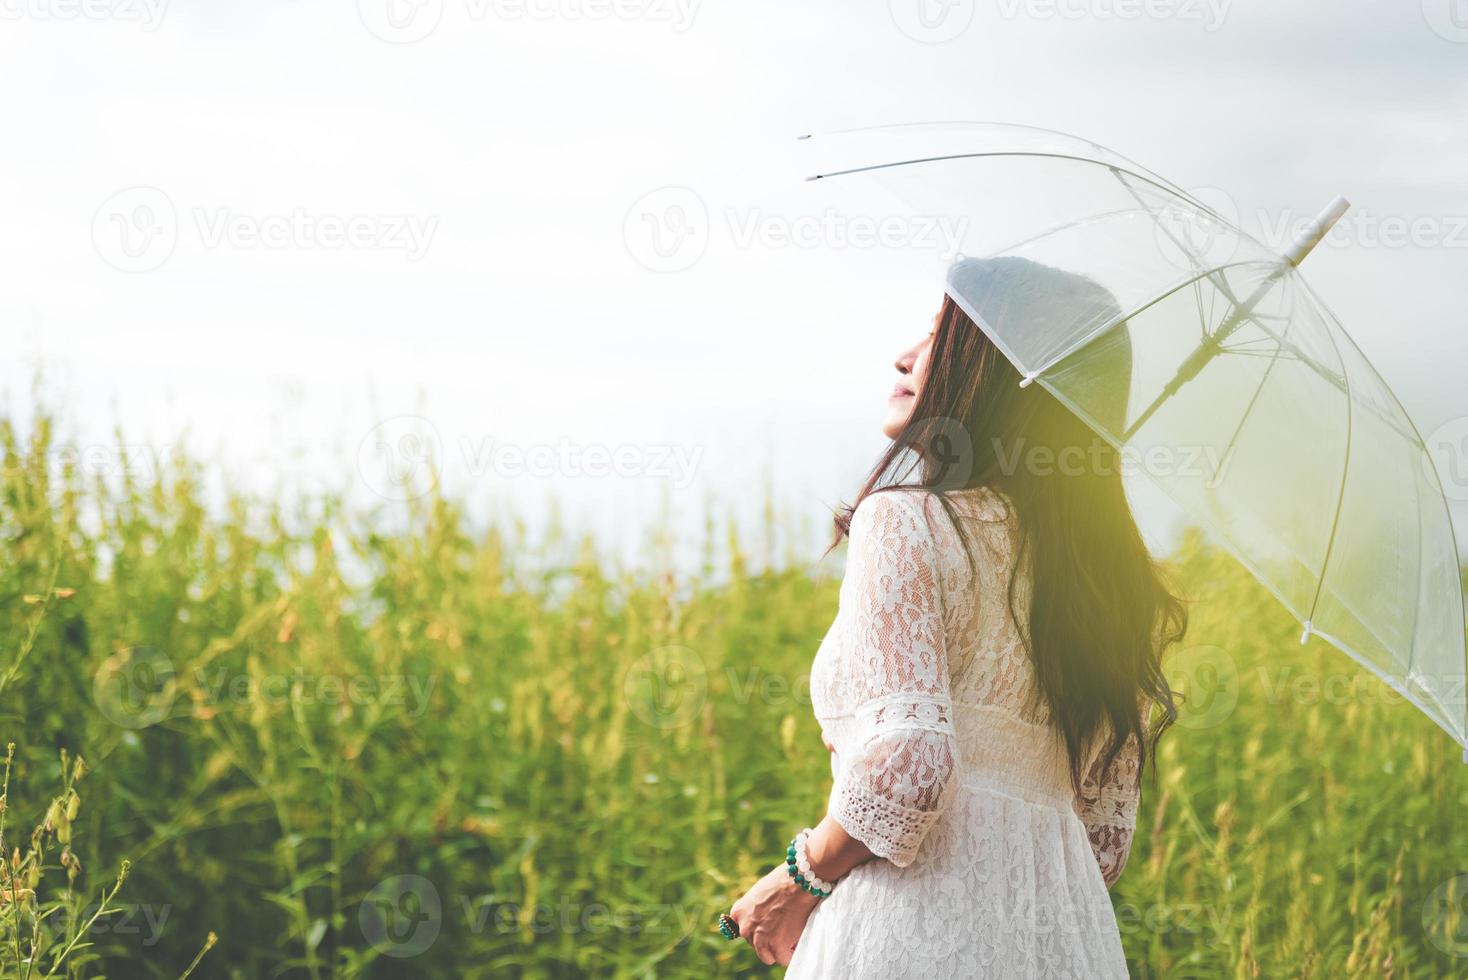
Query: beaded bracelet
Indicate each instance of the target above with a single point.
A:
(797, 865)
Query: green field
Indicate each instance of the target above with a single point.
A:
(447, 752)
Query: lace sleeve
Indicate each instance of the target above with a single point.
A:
(1108, 807)
(896, 785)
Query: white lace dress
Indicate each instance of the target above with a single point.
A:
(988, 863)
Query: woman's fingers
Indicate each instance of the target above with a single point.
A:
(741, 920)
(763, 947)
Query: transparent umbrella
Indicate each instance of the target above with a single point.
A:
(1242, 398)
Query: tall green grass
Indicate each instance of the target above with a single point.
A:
(444, 752)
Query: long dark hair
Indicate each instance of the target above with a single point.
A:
(1100, 613)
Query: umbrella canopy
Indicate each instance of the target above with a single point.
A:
(1204, 358)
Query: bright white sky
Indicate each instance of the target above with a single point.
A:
(515, 143)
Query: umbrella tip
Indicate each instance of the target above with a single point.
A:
(1316, 231)
(1305, 636)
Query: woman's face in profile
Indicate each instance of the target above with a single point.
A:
(912, 370)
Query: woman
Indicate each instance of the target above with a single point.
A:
(987, 686)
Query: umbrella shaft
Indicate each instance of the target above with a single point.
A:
(1207, 350)
(1213, 343)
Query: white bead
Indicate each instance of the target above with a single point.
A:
(802, 863)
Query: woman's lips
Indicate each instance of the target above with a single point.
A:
(900, 392)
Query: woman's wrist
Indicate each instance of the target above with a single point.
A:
(832, 852)
(797, 866)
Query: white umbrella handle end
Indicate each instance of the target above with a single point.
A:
(1316, 230)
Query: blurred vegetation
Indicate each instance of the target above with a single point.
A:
(442, 752)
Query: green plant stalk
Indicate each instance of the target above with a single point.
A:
(86, 927)
(208, 945)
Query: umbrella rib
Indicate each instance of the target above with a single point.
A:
(1256, 345)
(1208, 348)
(1249, 409)
(942, 158)
(1158, 178)
(1111, 324)
(1276, 354)
(1415, 437)
(1195, 260)
(1340, 498)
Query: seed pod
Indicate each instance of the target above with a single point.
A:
(73, 805)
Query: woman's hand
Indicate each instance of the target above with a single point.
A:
(771, 916)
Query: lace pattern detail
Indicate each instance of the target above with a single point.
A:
(946, 766)
(895, 785)
(1107, 805)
